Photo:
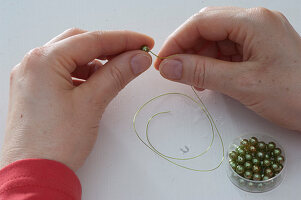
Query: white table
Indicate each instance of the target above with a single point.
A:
(120, 167)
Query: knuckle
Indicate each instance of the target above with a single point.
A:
(281, 16)
(207, 8)
(13, 73)
(34, 56)
(118, 78)
(74, 30)
(199, 73)
(263, 13)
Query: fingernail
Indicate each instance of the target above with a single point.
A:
(140, 63)
(172, 69)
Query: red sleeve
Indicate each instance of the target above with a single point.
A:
(34, 179)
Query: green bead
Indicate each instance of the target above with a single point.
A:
(256, 177)
(260, 186)
(267, 156)
(255, 161)
(252, 149)
(240, 150)
(256, 169)
(248, 157)
(268, 172)
(275, 167)
(145, 48)
(277, 152)
(260, 155)
(233, 155)
(271, 146)
(232, 164)
(240, 169)
(244, 143)
(253, 141)
(267, 163)
(248, 165)
(241, 159)
(248, 174)
(250, 184)
(261, 146)
(241, 181)
(265, 178)
(280, 159)
(280, 167)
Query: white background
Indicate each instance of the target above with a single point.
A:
(120, 167)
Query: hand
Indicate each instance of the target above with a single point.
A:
(53, 116)
(252, 55)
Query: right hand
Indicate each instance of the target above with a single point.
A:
(252, 55)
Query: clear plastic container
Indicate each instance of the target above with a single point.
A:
(251, 185)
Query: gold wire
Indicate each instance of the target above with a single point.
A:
(169, 158)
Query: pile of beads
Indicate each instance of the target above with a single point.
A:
(256, 160)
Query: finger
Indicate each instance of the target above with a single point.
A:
(199, 89)
(202, 72)
(211, 25)
(106, 82)
(77, 82)
(85, 71)
(68, 33)
(83, 48)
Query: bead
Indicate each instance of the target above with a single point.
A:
(240, 169)
(248, 165)
(277, 152)
(267, 156)
(260, 155)
(248, 157)
(240, 159)
(265, 178)
(250, 184)
(244, 143)
(241, 181)
(266, 163)
(280, 167)
(275, 167)
(252, 149)
(268, 172)
(271, 146)
(280, 159)
(248, 174)
(145, 48)
(260, 186)
(256, 169)
(255, 161)
(256, 177)
(232, 164)
(233, 155)
(240, 150)
(261, 146)
(253, 141)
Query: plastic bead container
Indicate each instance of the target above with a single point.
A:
(251, 185)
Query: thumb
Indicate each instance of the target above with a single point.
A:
(201, 72)
(108, 80)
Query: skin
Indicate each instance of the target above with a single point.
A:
(53, 117)
(252, 55)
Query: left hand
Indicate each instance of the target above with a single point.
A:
(51, 116)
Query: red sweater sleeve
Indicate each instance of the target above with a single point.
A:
(34, 179)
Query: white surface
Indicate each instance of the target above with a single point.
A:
(120, 167)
